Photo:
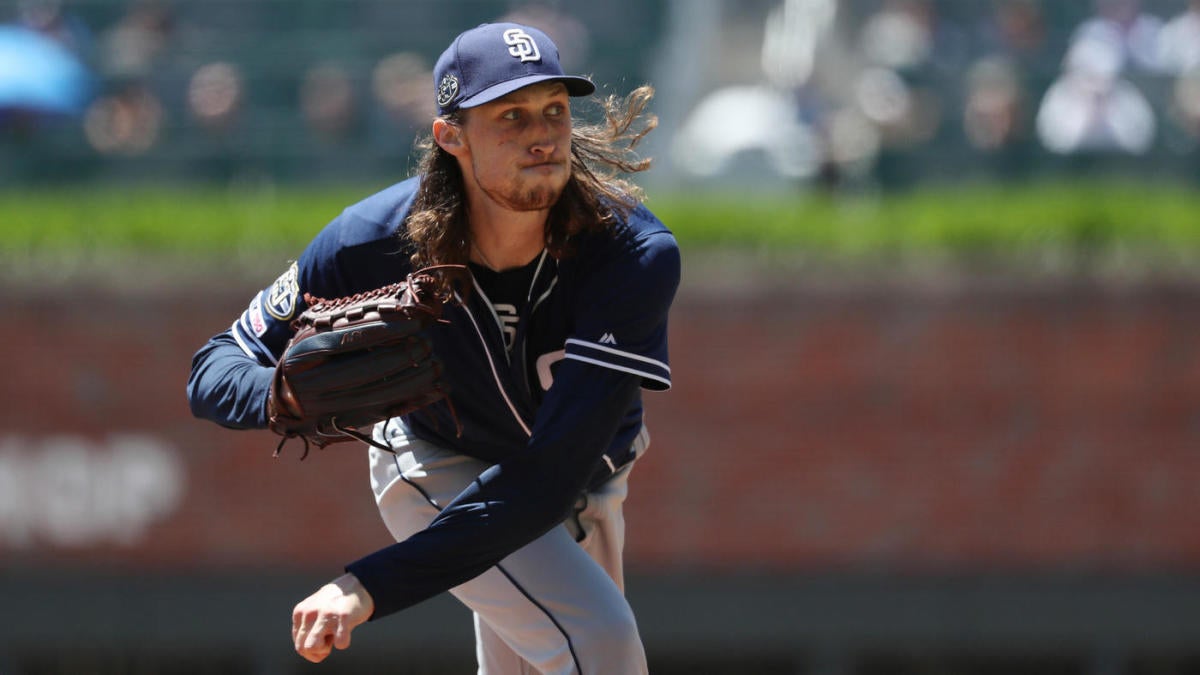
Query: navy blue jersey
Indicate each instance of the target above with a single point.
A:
(555, 405)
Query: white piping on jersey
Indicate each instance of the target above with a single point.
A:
(535, 305)
(542, 298)
(623, 369)
(532, 284)
(491, 308)
(536, 272)
(236, 331)
(538, 303)
(492, 364)
(618, 352)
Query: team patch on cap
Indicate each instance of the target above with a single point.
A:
(447, 90)
(281, 297)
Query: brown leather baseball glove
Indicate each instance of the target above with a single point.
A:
(356, 361)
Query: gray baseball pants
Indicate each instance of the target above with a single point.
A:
(556, 606)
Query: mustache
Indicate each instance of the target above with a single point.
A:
(552, 161)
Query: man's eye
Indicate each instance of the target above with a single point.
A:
(556, 109)
(511, 115)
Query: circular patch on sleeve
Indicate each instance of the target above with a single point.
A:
(281, 297)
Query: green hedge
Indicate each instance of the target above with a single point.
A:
(1157, 221)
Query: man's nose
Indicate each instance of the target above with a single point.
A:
(543, 142)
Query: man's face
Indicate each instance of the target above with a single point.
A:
(517, 149)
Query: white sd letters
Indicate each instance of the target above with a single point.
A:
(521, 45)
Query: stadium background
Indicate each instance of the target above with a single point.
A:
(869, 465)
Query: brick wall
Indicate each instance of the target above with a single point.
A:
(931, 429)
(961, 428)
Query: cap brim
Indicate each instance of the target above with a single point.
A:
(576, 86)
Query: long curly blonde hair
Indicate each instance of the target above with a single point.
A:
(595, 197)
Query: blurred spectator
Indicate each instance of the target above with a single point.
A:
(795, 30)
(1091, 109)
(128, 119)
(1000, 88)
(215, 94)
(1185, 104)
(401, 83)
(1016, 30)
(130, 49)
(327, 101)
(1179, 45)
(906, 116)
(754, 128)
(1117, 36)
(913, 55)
(125, 122)
(994, 109)
(852, 147)
(900, 35)
(910, 36)
(50, 19)
(804, 52)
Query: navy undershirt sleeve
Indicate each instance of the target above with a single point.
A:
(512, 503)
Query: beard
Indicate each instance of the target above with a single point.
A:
(524, 195)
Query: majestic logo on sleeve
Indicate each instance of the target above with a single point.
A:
(281, 296)
(447, 90)
(521, 45)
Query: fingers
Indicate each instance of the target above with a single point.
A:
(324, 620)
(313, 634)
(297, 625)
(341, 635)
(316, 630)
(305, 621)
(319, 642)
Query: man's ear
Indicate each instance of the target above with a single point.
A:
(448, 136)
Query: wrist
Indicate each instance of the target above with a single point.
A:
(349, 585)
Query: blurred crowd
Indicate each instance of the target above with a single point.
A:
(903, 89)
(810, 91)
(223, 86)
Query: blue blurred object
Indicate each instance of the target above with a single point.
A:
(39, 75)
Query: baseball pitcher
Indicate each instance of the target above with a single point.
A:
(523, 310)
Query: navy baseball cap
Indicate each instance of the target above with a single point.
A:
(494, 59)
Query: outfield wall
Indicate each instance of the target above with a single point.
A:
(857, 453)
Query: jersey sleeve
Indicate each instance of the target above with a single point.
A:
(356, 251)
(621, 316)
(231, 374)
